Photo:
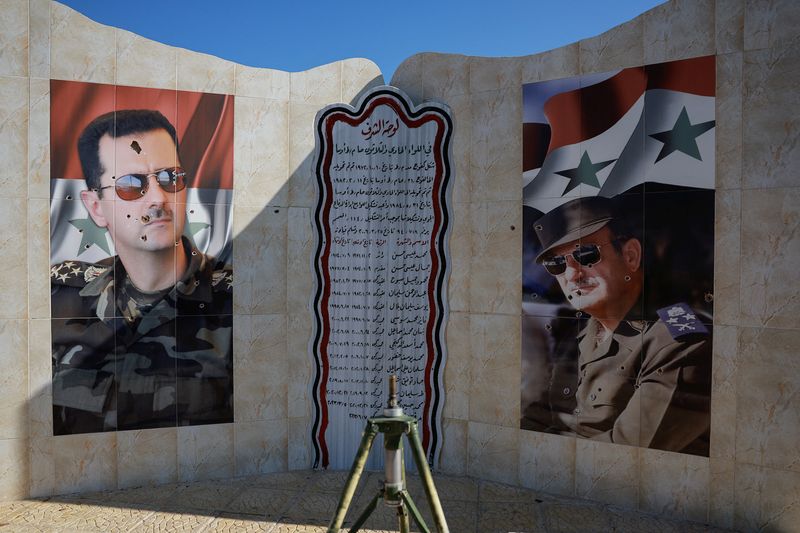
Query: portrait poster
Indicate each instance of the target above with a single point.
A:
(141, 252)
(618, 240)
(381, 265)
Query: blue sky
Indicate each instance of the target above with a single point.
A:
(298, 35)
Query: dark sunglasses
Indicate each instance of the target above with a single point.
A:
(585, 255)
(133, 186)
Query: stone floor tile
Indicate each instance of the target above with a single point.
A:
(53, 514)
(150, 496)
(264, 502)
(203, 496)
(165, 522)
(502, 517)
(105, 519)
(239, 523)
(280, 480)
(497, 492)
(567, 517)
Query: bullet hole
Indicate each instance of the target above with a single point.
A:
(627, 278)
(622, 367)
(537, 500)
(69, 197)
(136, 148)
(599, 389)
(113, 177)
(709, 297)
(578, 314)
(513, 228)
(578, 293)
(145, 219)
(177, 243)
(577, 245)
(534, 295)
(202, 306)
(194, 252)
(277, 210)
(191, 211)
(569, 297)
(548, 327)
(538, 227)
(144, 237)
(196, 282)
(590, 265)
(86, 246)
(80, 231)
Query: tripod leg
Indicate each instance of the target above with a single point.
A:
(355, 473)
(414, 511)
(367, 511)
(427, 480)
(402, 518)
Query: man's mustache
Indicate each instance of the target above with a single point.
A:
(156, 213)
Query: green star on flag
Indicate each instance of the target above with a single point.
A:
(193, 228)
(585, 172)
(682, 137)
(90, 234)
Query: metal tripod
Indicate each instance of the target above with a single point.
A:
(393, 424)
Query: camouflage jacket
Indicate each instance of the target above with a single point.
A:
(121, 364)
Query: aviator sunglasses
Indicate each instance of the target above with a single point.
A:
(585, 255)
(133, 186)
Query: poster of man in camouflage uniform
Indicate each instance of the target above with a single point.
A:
(141, 280)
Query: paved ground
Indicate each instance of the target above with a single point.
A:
(304, 502)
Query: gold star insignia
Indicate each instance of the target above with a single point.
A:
(76, 271)
(64, 276)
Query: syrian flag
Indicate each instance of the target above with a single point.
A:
(605, 134)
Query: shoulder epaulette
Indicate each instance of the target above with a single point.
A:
(76, 273)
(681, 321)
(222, 279)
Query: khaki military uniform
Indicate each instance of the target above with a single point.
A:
(128, 360)
(640, 386)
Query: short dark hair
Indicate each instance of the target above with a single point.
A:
(116, 124)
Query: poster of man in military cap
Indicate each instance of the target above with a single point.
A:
(141, 249)
(618, 243)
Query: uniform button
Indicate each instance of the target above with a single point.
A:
(566, 391)
(593, 396)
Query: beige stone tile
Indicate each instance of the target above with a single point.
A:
(766, 499)
(301, 365)
(619, 47)
(495, 370)
(166, 521)
(493, 452)
(674, 484)
(301, 456)
(302, 181)
(561, 62)
(205, 452)
(260, 368)
(40, 372)
(444, 75)
(607, 472)
(147, 457)
(204, 496)
(771, 153)
(770, 24)
(678, 30)
(461, 114)
(727, 250)
(13, 136)
(320, 85)
(729, 131)
(84, 463)
(240, 523)
(494, 73)
(260, 259)
(145, 63)
(72, 55)
(408, 77)
(576, 517)
(767, 387)
(770, 248)
(460, 516)
(14, 29)
(46, 516)
(720, 494)
(723, 392)
(496, 265)
(460, 258)
(42, 473)
(105, 519)
(281, 480)
(300, 237)
(261, 152)
(39, 139)
(14, 379)
(457, 367)
(13, 469)
(38, 258)
(262, 82)
(729, 25)
(147, 495)
(547, 462)
(13, 258)
(453, 458)
(39, 40)
(496, 145)
(358, 76)
(260, 447)
(205, 73)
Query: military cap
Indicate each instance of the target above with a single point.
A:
(571, 221)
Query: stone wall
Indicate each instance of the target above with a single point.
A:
(273, 148)
(752, 478)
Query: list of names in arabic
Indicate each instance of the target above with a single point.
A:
(381, 221)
